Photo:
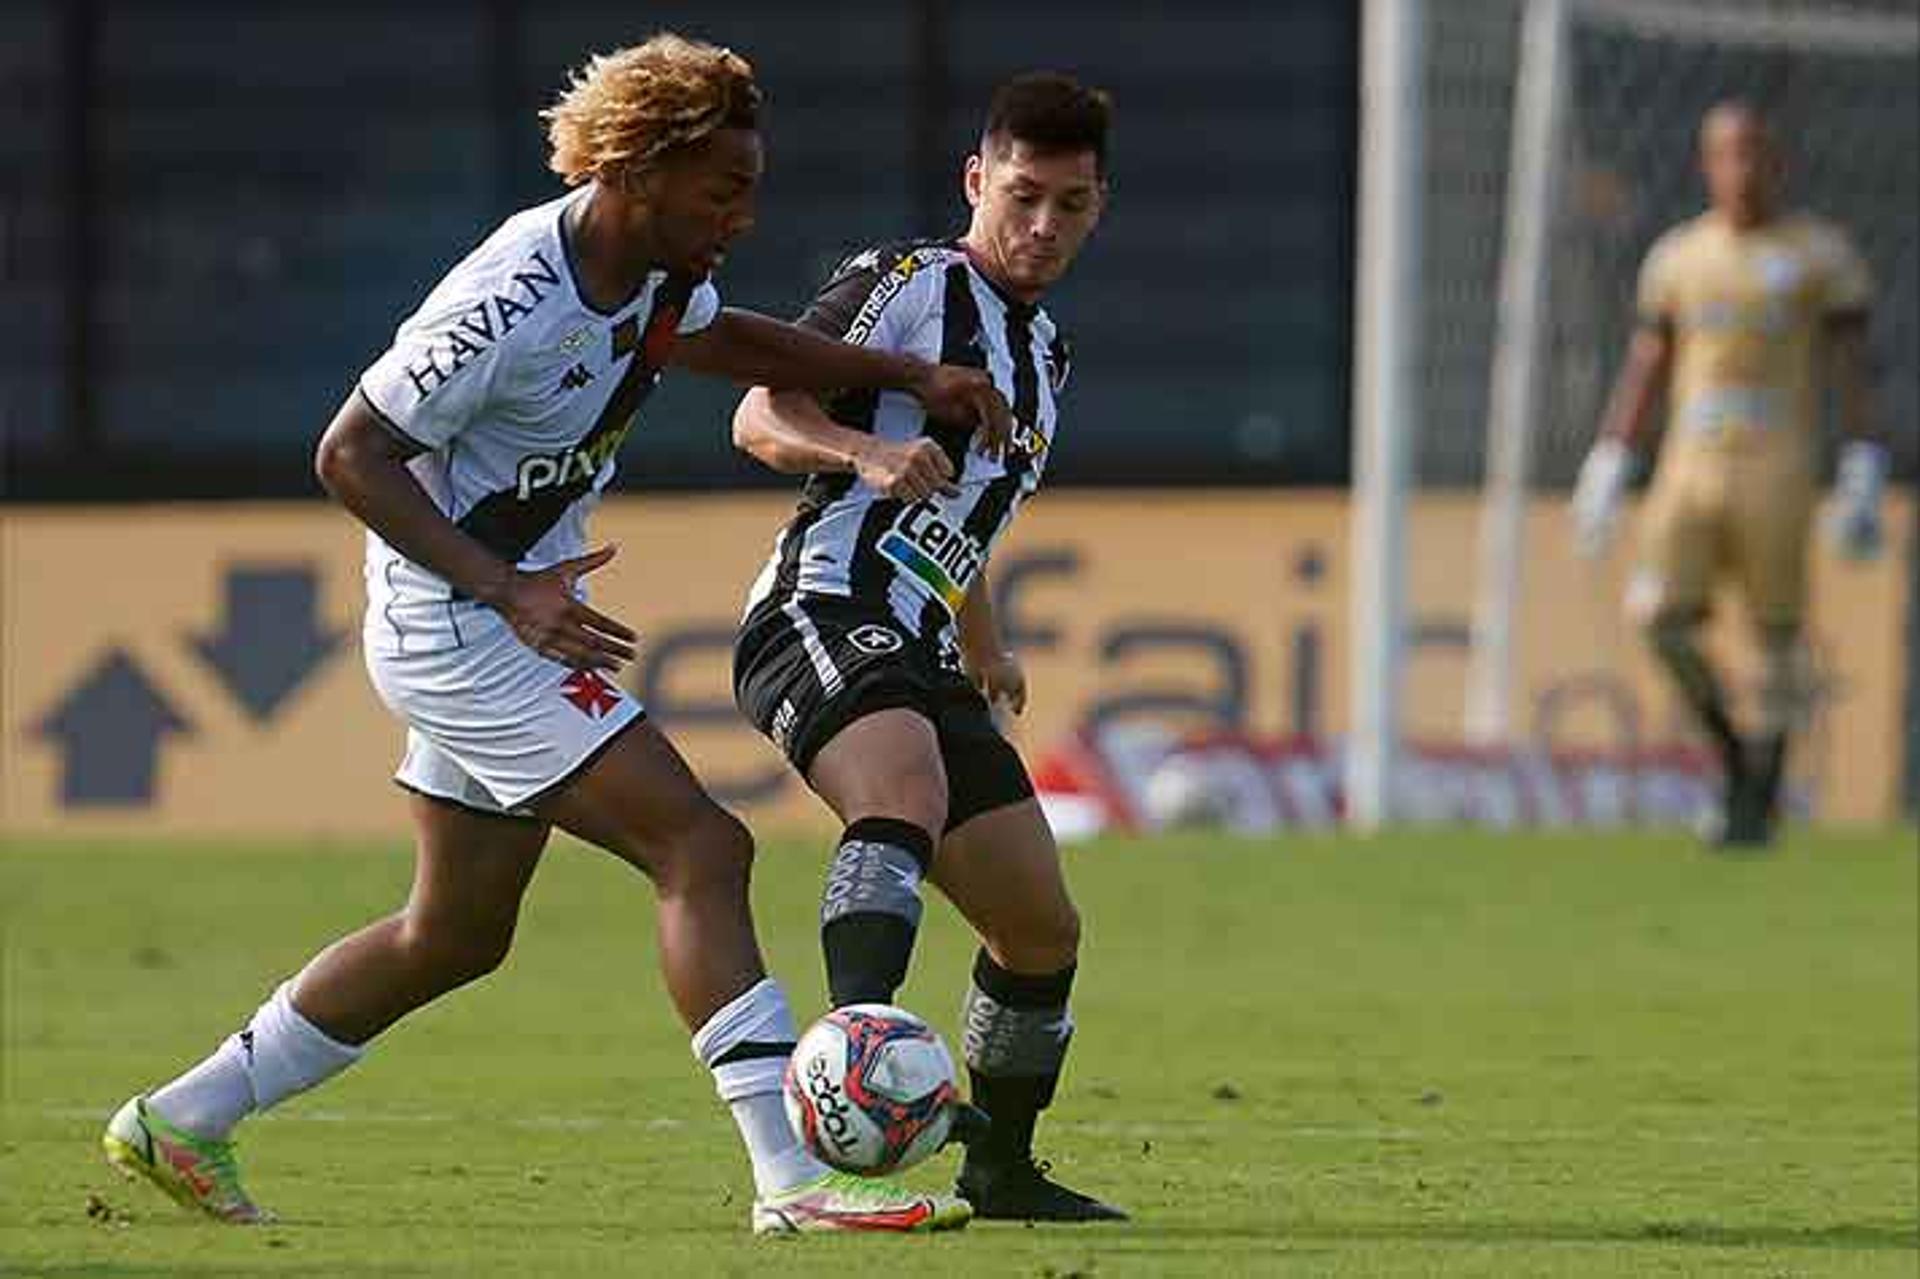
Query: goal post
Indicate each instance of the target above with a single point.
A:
(1513, 391)
(1385, 396)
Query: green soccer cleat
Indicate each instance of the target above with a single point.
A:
(193, 1171)
(842, 1201)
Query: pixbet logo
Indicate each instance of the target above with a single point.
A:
(545, 470)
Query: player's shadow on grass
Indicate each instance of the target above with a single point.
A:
(1842, 1237)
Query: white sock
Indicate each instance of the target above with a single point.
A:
(280, 1053)
(211, 1098)
(750, 1085)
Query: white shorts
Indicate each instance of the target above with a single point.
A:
(493, 725)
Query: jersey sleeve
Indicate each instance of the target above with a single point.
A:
(703, 307)
(870, 300)
(434, 380)
(1848, 282)
(1654, 299)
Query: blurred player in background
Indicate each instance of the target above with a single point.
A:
(1748, 316)
(869, 652)
(473, 451)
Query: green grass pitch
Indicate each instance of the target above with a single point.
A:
(1428, 1054)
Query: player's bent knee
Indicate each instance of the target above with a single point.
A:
(907, 797)
(714, 854)
(1665, 632)
(1785, 681)
(1043, 944)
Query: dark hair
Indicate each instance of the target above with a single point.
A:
(1050, 112)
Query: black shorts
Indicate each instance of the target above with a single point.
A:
(805, 669)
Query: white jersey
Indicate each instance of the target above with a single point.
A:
(917, 560)
(518, 393)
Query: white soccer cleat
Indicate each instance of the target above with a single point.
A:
(842, 1201)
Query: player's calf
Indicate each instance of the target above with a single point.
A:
(870, 909)
(1675, 643)
(1017, 1028)
(1784, 693)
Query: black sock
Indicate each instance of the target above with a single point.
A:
(870, 911)
(1017, 1031)
(1673, 643)
(1726, 739)
(1772, 771)
(1014, 1104)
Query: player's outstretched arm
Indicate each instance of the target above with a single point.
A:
(761, 351)
(1609, 464)
(1641, 379)
(789, 432)
(363, 464)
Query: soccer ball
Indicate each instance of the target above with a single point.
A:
(870, 1089)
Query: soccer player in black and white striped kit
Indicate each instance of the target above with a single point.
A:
(869, 652)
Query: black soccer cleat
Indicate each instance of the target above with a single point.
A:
(1020, 1190)
(1745, 820)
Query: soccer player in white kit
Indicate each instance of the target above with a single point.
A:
(473, 450)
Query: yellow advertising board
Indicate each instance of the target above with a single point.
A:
(195, 669)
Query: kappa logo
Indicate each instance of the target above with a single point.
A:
(576, 377)
(1059, 358)
(783, 722)
(875, 639)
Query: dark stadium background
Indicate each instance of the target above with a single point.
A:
(217, 214)
(212, 215)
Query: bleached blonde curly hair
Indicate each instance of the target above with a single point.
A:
(623, 111)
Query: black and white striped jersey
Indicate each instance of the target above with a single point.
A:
(518, 392)
(918, 559)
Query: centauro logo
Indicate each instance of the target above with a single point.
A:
(544, 470)
(944, 559)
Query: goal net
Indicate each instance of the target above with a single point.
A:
(1558, 141)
